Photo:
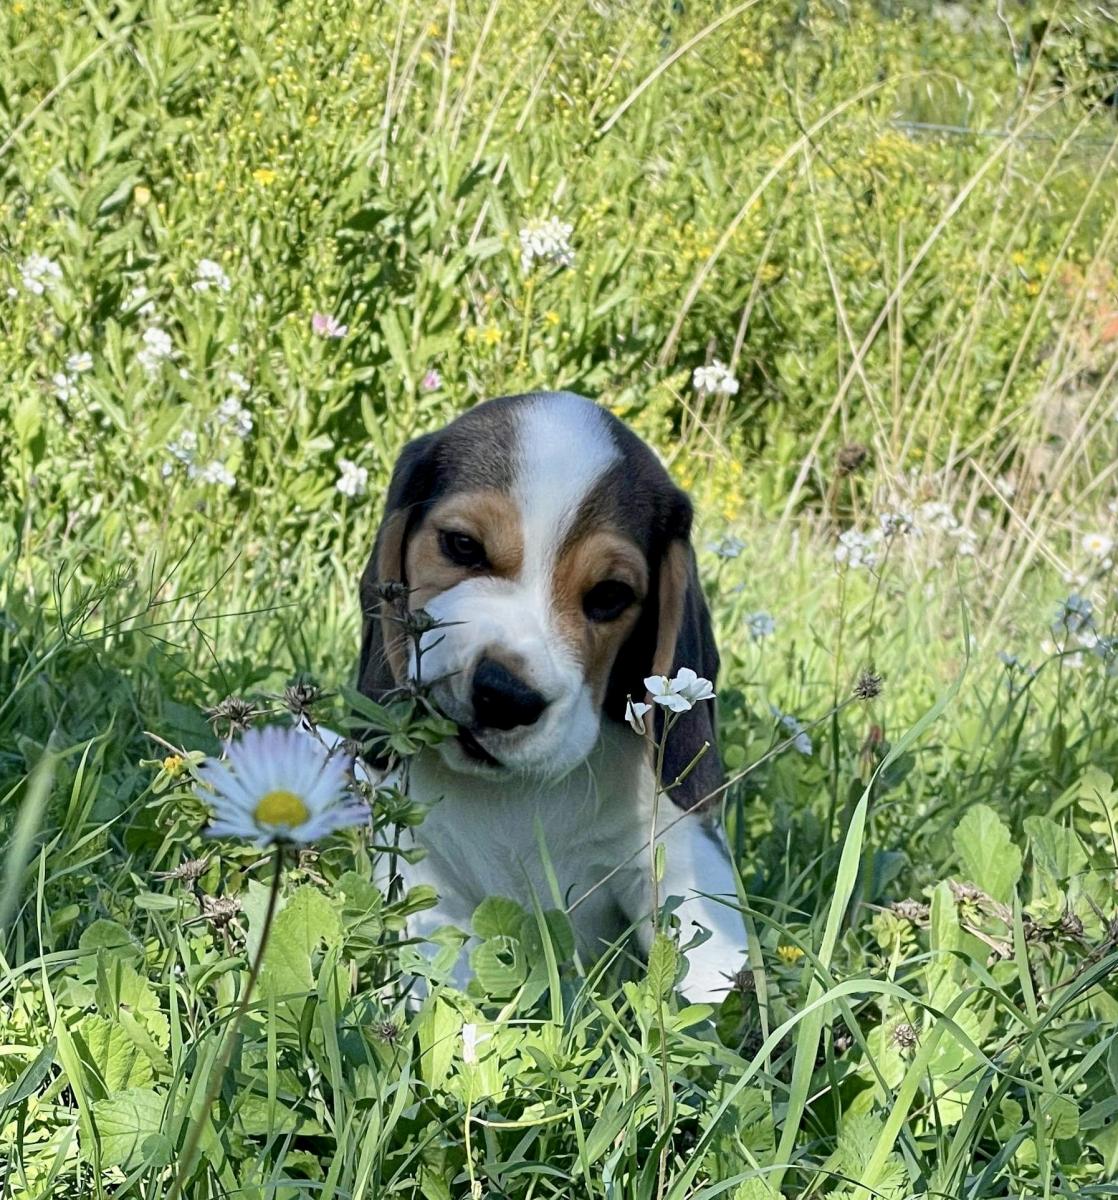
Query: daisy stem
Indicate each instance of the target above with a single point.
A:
(221, 1064)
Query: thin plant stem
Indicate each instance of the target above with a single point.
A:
(217, 1073)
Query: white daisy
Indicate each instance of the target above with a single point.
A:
(1097, 545)
(77, 363)
(279, 785)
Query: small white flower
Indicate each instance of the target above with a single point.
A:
(715, 379)
(39, 274)
(801, 740)
(232, 412)
(635, 712)
(140, 302)
(217, 473)
(352, 479)
(1097, 545)
(279, 786)
(857, 549)
(78, 363)
(63, 385)
(547, 241)
(209, 274)
(157, 346)
(238, 382)
(681, 693)
(894, 524)
(761, 625)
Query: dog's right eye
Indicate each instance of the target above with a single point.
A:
(462, 549)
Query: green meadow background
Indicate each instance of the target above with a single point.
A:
(246, 252)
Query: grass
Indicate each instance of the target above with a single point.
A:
(921, 321)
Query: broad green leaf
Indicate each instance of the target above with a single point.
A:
(129, 1126)
(1056, 849)
(438, 1030)
(497, 916)
(118, 1060)
(986, 852)
(307, 921)
(499, 965)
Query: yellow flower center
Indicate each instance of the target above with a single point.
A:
(281, 808)
(172, 765)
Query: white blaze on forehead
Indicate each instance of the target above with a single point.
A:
(563, 448)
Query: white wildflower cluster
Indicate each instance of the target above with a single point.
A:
(857, 549)
(1074, 634)
(546, 240)
(232, 416)
(39, 274)
(801, 739)
(352, 479)
(157, 349)
(679, 694)
(937, 517)
(896, 524)
(209, 275)
(139, 301)
(233, 413)
(714, 380)
(760, 625)
(65, 383)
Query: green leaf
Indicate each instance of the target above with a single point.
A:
(1056, 849)
(118, 1060)
(986, 852)
(663, 962)
(497, 916)
(307, 920)
(129, 1125)
(438, 1032)
(499, 966)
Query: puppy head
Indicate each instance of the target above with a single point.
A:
(553, 551)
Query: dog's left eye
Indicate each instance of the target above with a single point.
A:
(462, 549)
(606, 601)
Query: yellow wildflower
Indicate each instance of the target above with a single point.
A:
(140, 195)
(789, 955)
(264, 176)
(173, 765)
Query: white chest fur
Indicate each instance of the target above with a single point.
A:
(580, 845)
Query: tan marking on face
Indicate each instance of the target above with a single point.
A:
(489, 517)
(673, 592)
(598, 556)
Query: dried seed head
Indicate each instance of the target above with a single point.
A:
(851, 458)
(387, 1032)
(911, 910)
(904, 1036)
(742, 981)
(417, 623)
(219, 911)
(868, 686)
(299, 698)
(236, 711)
(190, 870)
(1071, 926)
(391, 591)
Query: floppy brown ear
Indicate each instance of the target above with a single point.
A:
(674, 631)
(685, 638)
(383, 662)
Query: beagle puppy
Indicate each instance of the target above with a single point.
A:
(552, 550)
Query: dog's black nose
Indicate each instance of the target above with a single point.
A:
(501, 701)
